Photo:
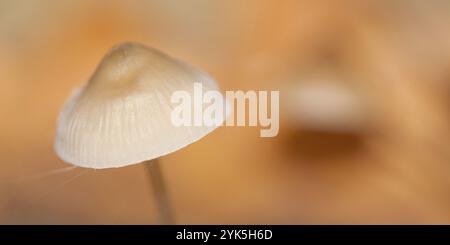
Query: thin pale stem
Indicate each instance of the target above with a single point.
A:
(160, 192)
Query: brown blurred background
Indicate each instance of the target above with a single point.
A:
(364, 127)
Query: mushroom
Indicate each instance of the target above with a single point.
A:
(122, 116)
(327, 115)
(327, 106)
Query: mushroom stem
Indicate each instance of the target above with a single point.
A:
(160, 192)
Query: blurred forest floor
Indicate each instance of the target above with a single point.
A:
(394, 54)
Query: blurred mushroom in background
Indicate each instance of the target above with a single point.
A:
(326, 118)
(325, 102)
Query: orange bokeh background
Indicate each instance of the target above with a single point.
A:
(395, 55)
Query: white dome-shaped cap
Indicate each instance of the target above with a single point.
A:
(122, 115)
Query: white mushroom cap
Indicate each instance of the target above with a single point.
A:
(122, 115)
